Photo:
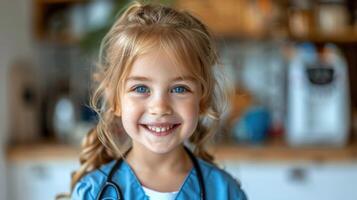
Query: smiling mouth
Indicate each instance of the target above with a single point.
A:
(160, 130)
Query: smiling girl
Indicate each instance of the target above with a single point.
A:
(157, 95)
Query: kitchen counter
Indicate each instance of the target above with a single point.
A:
(270, 151)
(279, 151)
(44, 150)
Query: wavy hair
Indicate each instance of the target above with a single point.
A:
(139, 29)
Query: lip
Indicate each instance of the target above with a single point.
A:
(161, 134)
(160, 124)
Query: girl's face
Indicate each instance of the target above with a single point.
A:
(159, 103)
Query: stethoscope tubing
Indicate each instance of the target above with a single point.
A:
(199, 174)
(110, 183)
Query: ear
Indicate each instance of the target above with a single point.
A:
(115, 107)
(116, 110)
(203, 107)
(117, 113)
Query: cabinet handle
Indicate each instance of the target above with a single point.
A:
(298, 175)
(40, 172)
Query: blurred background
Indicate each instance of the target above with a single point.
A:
(291, 132)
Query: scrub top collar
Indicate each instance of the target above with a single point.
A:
(189, 188)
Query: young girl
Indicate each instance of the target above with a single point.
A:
(157, 95)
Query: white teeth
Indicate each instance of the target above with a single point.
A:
(159, 129)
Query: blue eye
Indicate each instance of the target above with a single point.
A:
(141, 89)
(179, 89)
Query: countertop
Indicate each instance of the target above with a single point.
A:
(271, 151)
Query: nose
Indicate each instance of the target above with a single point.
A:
(160, 105)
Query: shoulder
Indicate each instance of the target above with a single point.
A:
(90, 184)
(222, 180)
(210, 171)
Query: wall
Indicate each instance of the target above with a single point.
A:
(15, 43)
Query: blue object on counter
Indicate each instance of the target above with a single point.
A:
(87, 114)
(253, 126)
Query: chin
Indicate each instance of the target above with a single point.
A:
(158, 149)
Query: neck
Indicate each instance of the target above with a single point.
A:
(142, 159)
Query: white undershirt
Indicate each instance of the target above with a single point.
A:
(155, 195)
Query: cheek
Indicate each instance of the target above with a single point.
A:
(127, 106)
(130, 112)
(190, 112)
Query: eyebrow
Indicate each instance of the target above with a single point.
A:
(142, 78)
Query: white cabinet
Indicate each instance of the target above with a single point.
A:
(261, 180)
(296, 180)
(42, 180)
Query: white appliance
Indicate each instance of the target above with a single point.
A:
(317, 97)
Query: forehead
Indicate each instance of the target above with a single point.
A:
(159, 65)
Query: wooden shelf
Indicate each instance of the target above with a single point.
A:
(43, 9)
(229, 20)
(348, 37)
(60, 1)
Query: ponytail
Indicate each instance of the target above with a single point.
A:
(200, 139)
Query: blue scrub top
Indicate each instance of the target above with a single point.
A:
(218, 183)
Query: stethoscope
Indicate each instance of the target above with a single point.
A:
(110, 183)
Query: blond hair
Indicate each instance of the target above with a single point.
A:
(139, 29)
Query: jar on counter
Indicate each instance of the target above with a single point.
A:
(301, 18)
(332, 17)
